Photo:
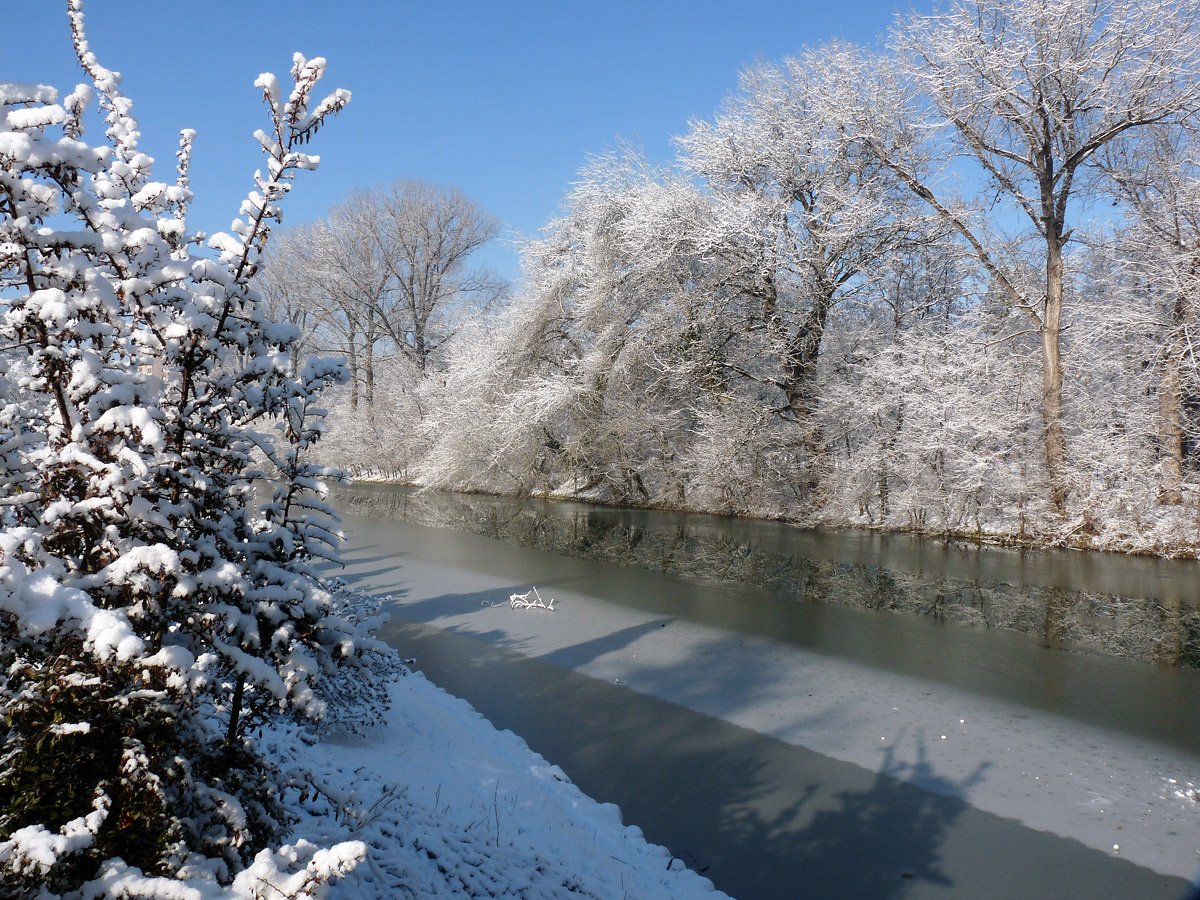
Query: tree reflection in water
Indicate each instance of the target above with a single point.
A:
(1163, 631)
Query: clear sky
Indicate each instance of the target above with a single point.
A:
(504, 99)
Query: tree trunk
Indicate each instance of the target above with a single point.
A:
(800, 359)
(369, 373)
(352, 359)
(419, 343)
(799, 384)
(884, 476)
(1052, 373)
(1170, 426)
(235, 711)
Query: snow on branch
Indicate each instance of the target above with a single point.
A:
(522, 601)
(150, 604)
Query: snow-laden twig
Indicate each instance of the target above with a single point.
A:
(522, 601)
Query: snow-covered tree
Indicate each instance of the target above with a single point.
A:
(1158, 177)
(877, 289)
(578, 384)
(151, 604)
(805, 213)
(1031, 91)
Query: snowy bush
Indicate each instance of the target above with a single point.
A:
(156, 593)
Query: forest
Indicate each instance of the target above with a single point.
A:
(948, 286)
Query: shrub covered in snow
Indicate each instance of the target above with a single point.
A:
(158, 519)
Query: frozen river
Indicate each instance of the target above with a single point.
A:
(790, 747)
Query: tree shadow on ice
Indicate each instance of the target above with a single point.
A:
(431, 609)
(581, 654)
(411, 614)
(762, 818)
(786, 822)
(726, 675)
(885, 841)
(356, 557)
(380, 580)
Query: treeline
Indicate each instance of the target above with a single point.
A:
(948, 287)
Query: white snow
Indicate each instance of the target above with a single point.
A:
(448, 806)
(522, 601)
(39, 601)
(34, 848)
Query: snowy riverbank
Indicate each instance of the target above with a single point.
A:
(450, 807)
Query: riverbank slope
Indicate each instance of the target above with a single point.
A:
(450, 807)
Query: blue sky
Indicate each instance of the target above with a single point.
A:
(506, 100)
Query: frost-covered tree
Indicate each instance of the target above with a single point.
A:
(1117, 352)
(669, 336)
(150, 604)
(1158, 178)
(386, 279)
(580, 383)
(806, 210)
(805, 213)
(877, 290)
(1031, 91)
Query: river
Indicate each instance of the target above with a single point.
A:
(797, 712)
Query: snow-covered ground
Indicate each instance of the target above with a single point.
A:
(450, 807)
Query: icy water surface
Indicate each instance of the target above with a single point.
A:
(755, 724)
(1134, 607)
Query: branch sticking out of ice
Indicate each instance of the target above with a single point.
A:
(522, 601)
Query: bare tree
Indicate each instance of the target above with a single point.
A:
(1031, 90)
(353, 290)
(424, 236)
(288, 292)
(387, 274)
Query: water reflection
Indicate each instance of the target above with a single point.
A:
(1141, 609)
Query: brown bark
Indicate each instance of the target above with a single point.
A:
(1170, 427)
(1052, 373)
